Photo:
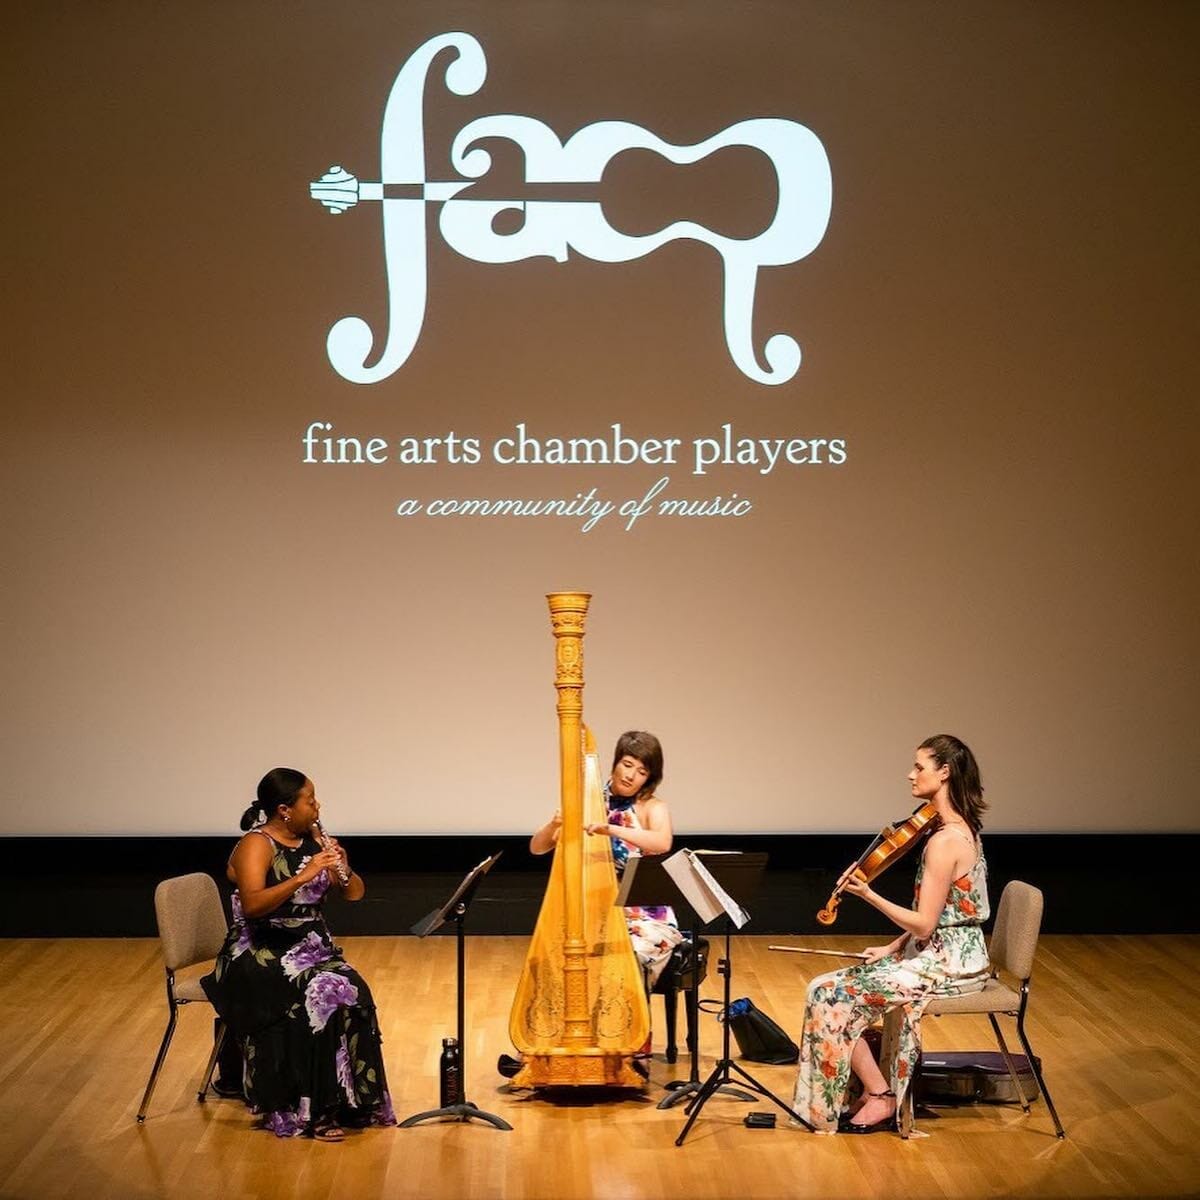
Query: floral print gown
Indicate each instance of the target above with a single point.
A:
(842, 1004)
(652, 929)
(304, 1019)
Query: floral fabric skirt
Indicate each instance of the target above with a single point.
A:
(895, 990)
(306, 1024)
(655, 934)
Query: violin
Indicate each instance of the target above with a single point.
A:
(891, 844)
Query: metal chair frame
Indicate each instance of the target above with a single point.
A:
(174, 1003)
(907, 1120)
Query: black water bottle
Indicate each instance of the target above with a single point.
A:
(451, 1073)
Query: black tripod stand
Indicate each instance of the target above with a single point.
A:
(680, 1091)
(647, 883)
(720, 1075)
(707, 882)
(455, 909)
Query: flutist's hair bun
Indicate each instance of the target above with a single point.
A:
(278, 786)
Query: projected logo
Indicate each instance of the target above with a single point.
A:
(552, 228)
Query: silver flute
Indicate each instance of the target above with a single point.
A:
(343, 872)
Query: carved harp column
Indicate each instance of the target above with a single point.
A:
(580, 1012)
(568, 613)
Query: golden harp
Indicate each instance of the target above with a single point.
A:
(580, 1013)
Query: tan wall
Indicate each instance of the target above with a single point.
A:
(999, 322)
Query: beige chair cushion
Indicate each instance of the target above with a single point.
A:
(1013, 946)
(187, 984)
(995, 997)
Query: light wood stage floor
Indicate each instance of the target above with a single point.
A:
(1113, 1019)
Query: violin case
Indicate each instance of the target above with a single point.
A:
(972, 1077)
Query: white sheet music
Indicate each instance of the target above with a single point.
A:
(706, 896)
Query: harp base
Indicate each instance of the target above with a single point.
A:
(578, 1068)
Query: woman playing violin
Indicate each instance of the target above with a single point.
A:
(940, 951)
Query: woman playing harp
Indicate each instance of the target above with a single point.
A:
(638, 822)
(580, 1015)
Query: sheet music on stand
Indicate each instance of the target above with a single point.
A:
(463, 894)
(708, 898)
(741, 872)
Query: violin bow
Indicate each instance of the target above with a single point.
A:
(809, 950)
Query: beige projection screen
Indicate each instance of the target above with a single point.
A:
(844, 352)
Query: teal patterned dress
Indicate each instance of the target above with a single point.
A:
(303, 1017)
(841, 1005)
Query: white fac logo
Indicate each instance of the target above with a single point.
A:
(552, 227)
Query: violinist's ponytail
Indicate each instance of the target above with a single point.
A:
(966, 790)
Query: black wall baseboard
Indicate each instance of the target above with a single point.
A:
(1093, 883)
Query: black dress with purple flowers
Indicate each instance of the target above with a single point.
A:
(304, 1018)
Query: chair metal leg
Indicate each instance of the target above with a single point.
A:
(1037, 1072)
(218, 1042)
(1008, 1062)
(162, 1054)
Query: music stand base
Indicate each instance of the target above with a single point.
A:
(466, 1111)
(718, 1080)
(679, 1091)
(455, 909)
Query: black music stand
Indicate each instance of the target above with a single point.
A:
(737, 874)
(647, 883)
(455, 909)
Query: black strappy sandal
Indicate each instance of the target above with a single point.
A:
(328, 1131)
(884, 1126)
